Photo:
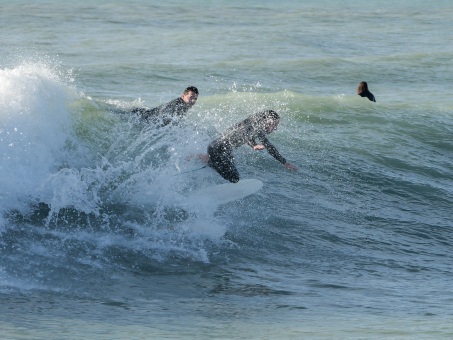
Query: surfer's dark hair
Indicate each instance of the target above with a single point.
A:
(363, 86)
(270, 114)
(191, 88)
(262, 118)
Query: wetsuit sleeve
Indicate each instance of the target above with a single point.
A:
(251, 140)
(165, 113)
(272, 149)
(250, 134)
(147, 114)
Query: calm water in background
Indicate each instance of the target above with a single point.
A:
(97, 237)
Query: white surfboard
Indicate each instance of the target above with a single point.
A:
(225, 193)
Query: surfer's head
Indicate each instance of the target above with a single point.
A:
(270, 120)
(363, 87)
(190, 96)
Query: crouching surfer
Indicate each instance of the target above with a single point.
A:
(251, 131)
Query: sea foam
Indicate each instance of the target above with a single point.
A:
(34, 125)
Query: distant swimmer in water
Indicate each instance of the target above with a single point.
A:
(363, 91)
(171, 112)
(249, 131)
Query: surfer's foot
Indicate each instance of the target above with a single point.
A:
(201, 156)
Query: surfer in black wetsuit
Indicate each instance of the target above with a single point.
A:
(363, 91)
(249, 131)
(171, 112)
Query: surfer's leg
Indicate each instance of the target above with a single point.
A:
(221, 160)
(231, 173)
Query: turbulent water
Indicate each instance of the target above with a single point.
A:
(98, 238)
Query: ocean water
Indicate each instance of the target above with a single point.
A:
(97, 237)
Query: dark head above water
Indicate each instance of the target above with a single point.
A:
(363, 91)
(363, 86)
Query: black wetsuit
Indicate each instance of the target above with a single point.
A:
(367, 94)
(220, 151)
(165, 114)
